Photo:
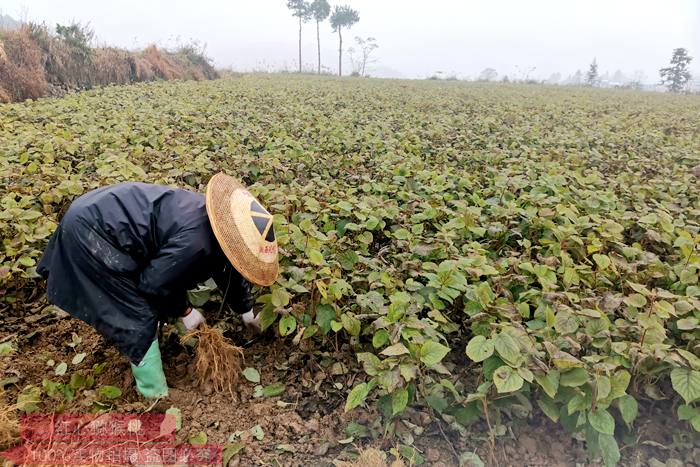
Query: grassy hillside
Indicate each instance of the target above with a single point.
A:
(36, 61)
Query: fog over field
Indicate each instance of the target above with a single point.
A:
(416, 39)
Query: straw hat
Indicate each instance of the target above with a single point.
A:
(243, 228)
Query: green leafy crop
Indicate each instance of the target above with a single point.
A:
(484, 249)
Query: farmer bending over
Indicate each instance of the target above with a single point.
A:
(124, 256)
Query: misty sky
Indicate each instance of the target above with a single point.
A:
(416, 38)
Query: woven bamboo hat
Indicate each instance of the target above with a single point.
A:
(243, 228)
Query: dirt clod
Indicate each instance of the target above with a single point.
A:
(322, 449)
(372, 457)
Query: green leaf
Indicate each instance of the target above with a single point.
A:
(695, 423)
(686, 382)
(618, 383)
(664, 309)
(60, 369)
(77, 381)
(507, 380)
(176, 414)
(29, 399)
(549, 382)
(75, 340)
(507, 348)
(401, 234)
(26, 261)
(484, 293)
(252, 375)
(98, 368)
(692, 360)
(650, 218)
(636, 300)
(602, 421)
(370, 363)
(310, 331)
(609, 449)
(287, 325)
(395, 350)
(688, 324)
(267, 318)
(399, 401)
(110, 392)
(229, 451)
(200, 439)
(602, 261)
(603, 387)
(324, 315)
(686, 412)
(357, 396)
(280, 297)
(336, 326)
(571, 277)
(688, 276)
(639, 288)
(8, 381)
(273, 390)
(380, 338)
(78, 358)
(351, 324)
(432, 353)
(372, 223)
(574, 377)
(628, 408)
(690, 414)
(479, 348)
(549, 408)
(348, 259)
(257, 432)
(411, 454)
(315, 257)
(355, 430)
(345, 206)
(200, 296)
(6, 348)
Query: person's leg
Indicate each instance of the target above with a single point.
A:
(149, 376)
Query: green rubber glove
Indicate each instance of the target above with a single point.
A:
(149, 376)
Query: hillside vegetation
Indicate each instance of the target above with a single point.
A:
(36, 62)
(489, 252)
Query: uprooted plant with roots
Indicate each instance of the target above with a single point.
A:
(9, 423)
(217, 361)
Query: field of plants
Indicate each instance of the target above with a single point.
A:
(503, 272)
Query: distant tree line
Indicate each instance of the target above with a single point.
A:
(341, 17)
(676, 77)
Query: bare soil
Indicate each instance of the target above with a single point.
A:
(305, 425)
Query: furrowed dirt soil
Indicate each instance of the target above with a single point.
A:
(305, 425)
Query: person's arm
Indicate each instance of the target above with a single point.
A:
(235, 289)
(164, 281)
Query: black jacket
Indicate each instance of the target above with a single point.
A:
(124, 256)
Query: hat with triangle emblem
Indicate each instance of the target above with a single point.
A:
(243, 228)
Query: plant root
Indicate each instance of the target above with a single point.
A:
(9, 422)
(217, 361)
